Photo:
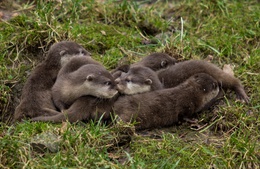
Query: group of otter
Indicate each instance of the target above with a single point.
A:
(154, 92)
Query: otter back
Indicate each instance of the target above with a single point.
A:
(181, 71)
(165, 107)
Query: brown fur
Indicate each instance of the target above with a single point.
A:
(89, 79)
(83, 109)
(138, 79)
(165, 107)
(154, 61)
(181, 71)
(75, 63)
(36, 95)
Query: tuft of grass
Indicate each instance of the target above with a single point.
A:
(115, 31)
(82, 145)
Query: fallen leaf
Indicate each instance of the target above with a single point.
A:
(103, 32)
(228, 69)
(209, 58)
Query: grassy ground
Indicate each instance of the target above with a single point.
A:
(123, 32)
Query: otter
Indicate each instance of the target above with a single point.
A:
(89, 79)
(138, 79)
(178, 73)
(80, 105)
(154, 61)
(36, 94)
(165, 107)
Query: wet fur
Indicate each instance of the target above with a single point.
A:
(178, 73)
(167, 106)
(36, 94)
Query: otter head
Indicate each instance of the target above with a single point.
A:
(120, 70)
(69, 53)
(138, 80)
(206, 82)
(60, 53)
(94, 80)
(157, 61)
(207, 86)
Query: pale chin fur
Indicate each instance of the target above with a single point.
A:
(105, 92)
(100, 91)
(132, 88)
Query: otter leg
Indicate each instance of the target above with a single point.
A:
(50, 112)
(64, 116)
(18, 116)
(230, 82)
(241, 94)
(79, 110)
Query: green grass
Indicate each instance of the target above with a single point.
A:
(113, 32)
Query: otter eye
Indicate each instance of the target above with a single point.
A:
(108, 83)
(84, 52)
(128, 80)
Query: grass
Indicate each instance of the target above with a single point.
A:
(114, 31)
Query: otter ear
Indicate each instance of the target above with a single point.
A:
(84, 52)
(197, 79)
(63, 52)
(90, 77)
(163, 63)
(124, 68)
(148, 81)
(81, 52)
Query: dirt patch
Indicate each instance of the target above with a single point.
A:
(10, 8)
